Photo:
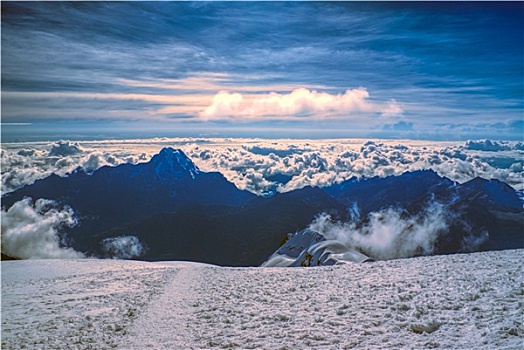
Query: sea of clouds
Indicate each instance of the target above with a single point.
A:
(265, 166)
(31, 228)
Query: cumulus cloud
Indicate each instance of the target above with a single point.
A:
(388, 234)
(24, 166)
(494, 146)
(65, 148)
(287, 165)
(32, 230)
(266, 166)
(96, 160)
(17, 178)
(224, 104)
(123, 247)
(298, 103)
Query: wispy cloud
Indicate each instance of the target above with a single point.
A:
(203, 97)
(214, 82)
(455, 63)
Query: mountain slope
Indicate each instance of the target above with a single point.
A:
(115, 196)
(430, 213)
(167, 209)
(233, 236)
(393, 191)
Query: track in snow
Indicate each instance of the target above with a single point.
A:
(447, 302)
(166, 322)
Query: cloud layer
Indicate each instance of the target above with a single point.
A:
(494, 146)
(264, 166)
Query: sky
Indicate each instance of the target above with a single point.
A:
(98, 70)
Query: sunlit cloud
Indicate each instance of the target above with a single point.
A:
(298, 103)
(213, 82)
(198, 98)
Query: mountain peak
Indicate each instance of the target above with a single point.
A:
(166, 151)
(495, 190)
(170, 163)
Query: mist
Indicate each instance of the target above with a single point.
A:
(389, 233)
(123, 247)
(32, 230)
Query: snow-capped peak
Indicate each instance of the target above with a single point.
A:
(170, 163)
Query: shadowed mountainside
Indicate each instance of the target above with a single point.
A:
(180, 213)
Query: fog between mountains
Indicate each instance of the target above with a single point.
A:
(31, 230)
(259, 167)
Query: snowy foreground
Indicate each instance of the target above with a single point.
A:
(472, 301)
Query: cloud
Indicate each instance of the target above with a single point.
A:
(265, 166)
(388, 234)
(392, 109)
(96, 160)
(64, 148)
(494, 146)
(298, 103)
(306, 163)
(24, 166)
(196, 101)
(73, 62)
(211, 83)
(224, 104)
(137, 105)
(400, 126)
(276, 149)
(32, 230)
(123, 247)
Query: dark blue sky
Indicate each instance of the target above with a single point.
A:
(413, 70)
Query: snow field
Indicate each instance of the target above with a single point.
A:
(468, 301)
(74, 304)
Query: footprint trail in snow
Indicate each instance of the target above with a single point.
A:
(461, 301)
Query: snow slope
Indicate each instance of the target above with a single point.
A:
(466, 301)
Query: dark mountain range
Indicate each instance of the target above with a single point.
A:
(487, 214)
(480, 215)
(475, 207)
(400, 191)
(233, 236)
(180, 213)
(113, 196)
